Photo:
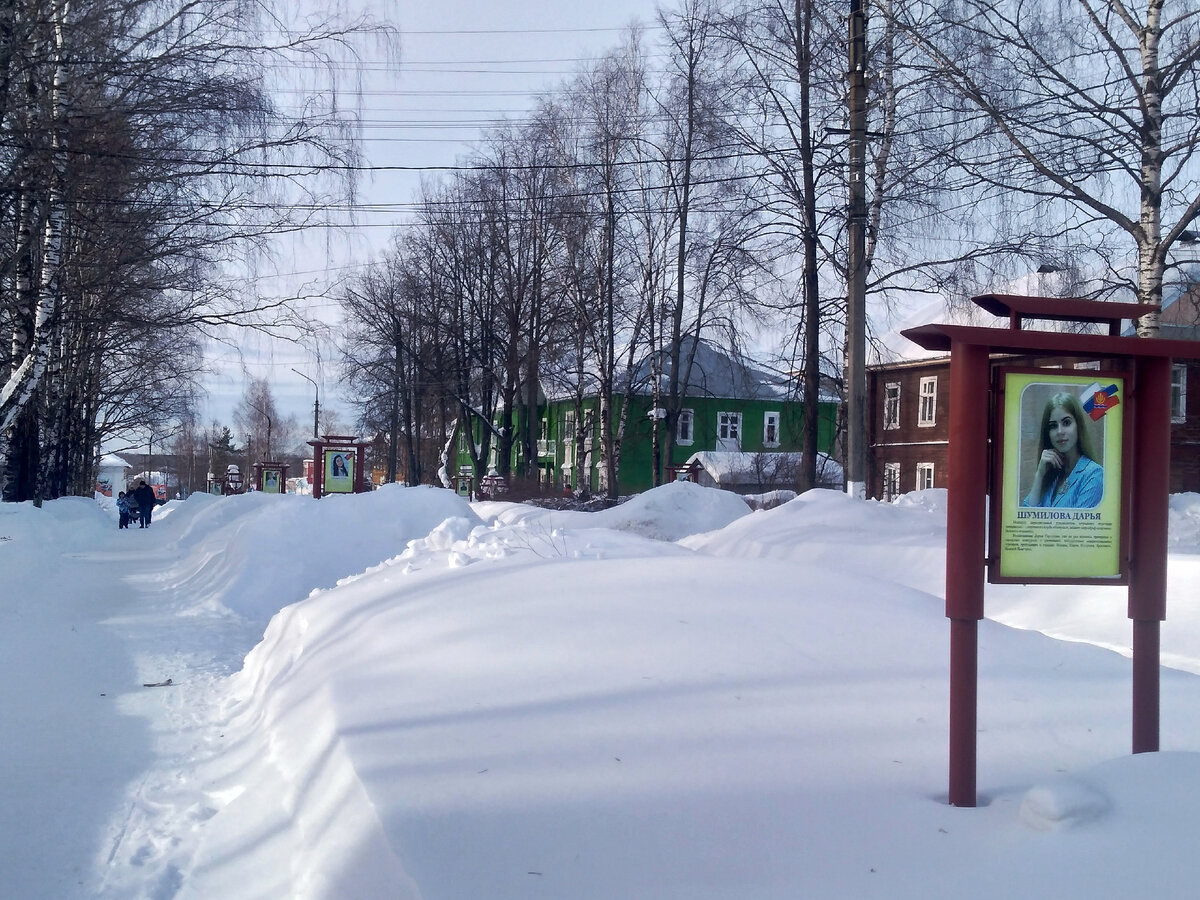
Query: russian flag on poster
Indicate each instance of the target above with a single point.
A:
(1097, 400)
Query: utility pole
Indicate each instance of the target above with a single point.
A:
(856, 270)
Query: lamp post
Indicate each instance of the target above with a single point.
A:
(1046, 268)
(316, 400)
(265, 415)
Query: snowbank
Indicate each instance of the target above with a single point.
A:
(496, 701)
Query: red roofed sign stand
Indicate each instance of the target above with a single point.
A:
(339, 464)
(1136, 488)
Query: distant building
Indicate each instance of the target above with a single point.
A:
(908, 411)
(729, 407)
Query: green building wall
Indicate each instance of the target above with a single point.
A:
(635, 474)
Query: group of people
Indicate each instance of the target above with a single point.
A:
(137, 503)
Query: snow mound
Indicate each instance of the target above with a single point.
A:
(1061, 803)
(236, 544)
(1183, 523)
(674, 511)
(666, 513)
(819, 526)
(71, 523)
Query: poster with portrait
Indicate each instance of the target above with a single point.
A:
(271, 480)
(1058, 492)
(339, 472)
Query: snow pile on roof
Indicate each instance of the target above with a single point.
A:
(734, 469)
(891, 346)
(714, 373)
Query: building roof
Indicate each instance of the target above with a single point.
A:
(714, 373)
(729, 468)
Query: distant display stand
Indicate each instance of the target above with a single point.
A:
(492, 487)
(339, 465)
(464, 484)
(685, 473)
(271, 477)
(232, 483)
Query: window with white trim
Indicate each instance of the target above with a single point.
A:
(770, 429)
(1179, 393)
(684, 434)
(891, 405)
(924, 476)
(729, 426)
(891, 480)
(926, 415)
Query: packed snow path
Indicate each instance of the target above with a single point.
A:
(400, 696)
(83, 628)
(69, 750)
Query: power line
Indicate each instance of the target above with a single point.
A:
(507, 31)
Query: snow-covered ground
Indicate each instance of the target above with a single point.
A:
(400, 695)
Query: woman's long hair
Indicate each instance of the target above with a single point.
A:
(1083, 424)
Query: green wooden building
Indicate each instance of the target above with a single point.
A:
(728, 407)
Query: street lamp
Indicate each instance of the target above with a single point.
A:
(1047, 268)
(316, 400)
(263, 412)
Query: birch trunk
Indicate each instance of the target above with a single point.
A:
(32, 350)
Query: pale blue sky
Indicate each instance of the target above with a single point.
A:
(463, 64)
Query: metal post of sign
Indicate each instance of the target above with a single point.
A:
(1148, 566)
(965, 538)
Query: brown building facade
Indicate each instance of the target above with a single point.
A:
(908, 413)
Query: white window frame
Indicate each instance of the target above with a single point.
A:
(891, 480)
(729, 426)
(927, 412)
(770, 419)
(685, 428)
(891, 405)
(1179, 393)
(924, 476)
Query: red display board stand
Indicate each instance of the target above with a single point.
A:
(339, 465)
(974, 441)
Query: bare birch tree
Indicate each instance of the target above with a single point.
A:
(1093, 104)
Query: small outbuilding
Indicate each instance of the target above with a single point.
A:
(749, 472)
(112, 475)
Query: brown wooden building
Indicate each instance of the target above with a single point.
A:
(908, 412)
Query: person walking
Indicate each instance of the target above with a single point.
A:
(144, 495)
(123, 507)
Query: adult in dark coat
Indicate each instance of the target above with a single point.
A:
(144, 495)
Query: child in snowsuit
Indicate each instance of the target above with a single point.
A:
(123, 508)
